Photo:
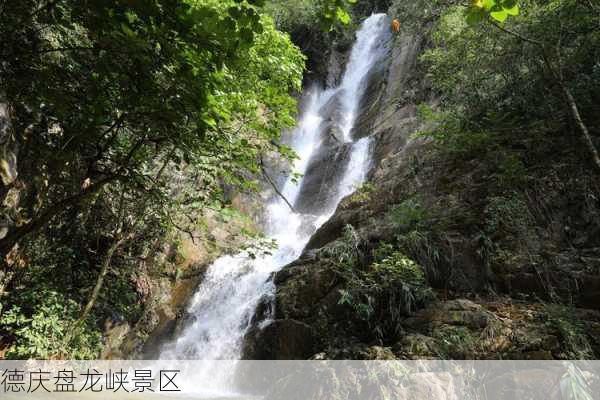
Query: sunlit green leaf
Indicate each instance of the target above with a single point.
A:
(499, 16)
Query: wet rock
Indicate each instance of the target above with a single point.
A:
(331, 130)
(332, 229)
(285, 339)
(336, 66)
(265, 310)
(318, 190)
(301, 288)
(370, 104)
(590, 291)
(113, 340)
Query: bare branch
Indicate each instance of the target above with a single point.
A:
(268, 178)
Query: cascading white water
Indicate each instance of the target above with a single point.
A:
(225, 302)
(366, 52)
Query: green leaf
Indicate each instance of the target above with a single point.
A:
(509, 3)
(489, 4)
(342, 16)
(247, 35)
(499, 16)
(127, 30)
(235, 12)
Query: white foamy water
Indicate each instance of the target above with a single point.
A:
(369, 48)
(225, 302)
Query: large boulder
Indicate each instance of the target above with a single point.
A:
(318, 190)
(302, 287)
(285, 339)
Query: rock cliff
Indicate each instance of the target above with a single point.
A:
(508, 273)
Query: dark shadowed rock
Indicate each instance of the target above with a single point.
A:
(318, 190)
(370, 103)
(301, 288)
(590, 291)
(285, 339)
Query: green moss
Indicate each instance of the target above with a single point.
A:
(575, 343)
(363, 193)
(455, 342)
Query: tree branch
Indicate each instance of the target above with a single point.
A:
(20, 232)
(516, 34)
(268, 178)
(96, 291)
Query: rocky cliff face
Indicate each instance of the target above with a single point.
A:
(508, 276)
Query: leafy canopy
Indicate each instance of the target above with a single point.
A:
(498, 10)
(108, 91)
(130, 117)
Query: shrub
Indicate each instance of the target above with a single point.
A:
(391, 287)
(455, 342)
(409, 214)
(575, 344)
(363, 193)
(38, 328)
(509, 214)
(346, 253)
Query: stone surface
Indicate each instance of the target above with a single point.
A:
(483, 310)
(302, 288)
(325, 168)
(280, 340)
(113, 341)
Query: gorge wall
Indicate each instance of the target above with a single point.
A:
(509, 273)
(431, 257)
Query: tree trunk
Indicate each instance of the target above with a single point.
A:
(96, 291)
(585, 133)
(556, 75)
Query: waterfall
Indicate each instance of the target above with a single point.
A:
(366, 52)
(222, 308)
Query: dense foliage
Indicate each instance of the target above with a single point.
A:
(540, 69)
(330, 13)
(131, 117)
(115, 106)
(502, 197)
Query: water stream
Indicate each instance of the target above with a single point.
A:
(224, 304)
